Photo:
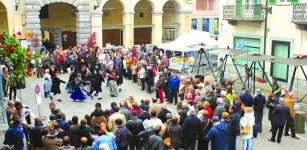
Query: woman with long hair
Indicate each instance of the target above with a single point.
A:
(270, 104)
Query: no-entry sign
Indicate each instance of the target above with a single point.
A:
(37, 89)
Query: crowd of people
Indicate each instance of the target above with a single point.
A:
(206, 112)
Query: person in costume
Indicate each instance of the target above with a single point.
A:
(47, 84)
(55, 88)
(78, 94)
(96, 85)
(112, 84)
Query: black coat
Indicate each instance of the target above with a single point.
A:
(98, 79)
(259, 102)
(280, 114)
(135, 126)
(144, 115)
(162, 115)
(55, 88)
(183, 115)
(190, 129)
(270, 105)
(36, 135)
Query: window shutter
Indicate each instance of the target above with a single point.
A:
(295, 1)
(272, 2)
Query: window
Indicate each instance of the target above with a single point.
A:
(201, 4)
(206, 24)
(169, 34)
(285, 1)
(251, 45)
(211, 4)
(194, 24)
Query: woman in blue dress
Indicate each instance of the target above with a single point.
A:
(78, 95)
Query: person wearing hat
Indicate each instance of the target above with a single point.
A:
(259, 103)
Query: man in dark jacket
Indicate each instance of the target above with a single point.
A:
(234, 129)
(155, 141)
(149, 79)
(280, 114)
(135, 126)
(121, 135)
(143, 114)
(247, 99)
(74, 130)
(63, 124)
(36, 134)
(218, 134)
(162, 113)
(190, 130)
(259, 102)
(184, 113)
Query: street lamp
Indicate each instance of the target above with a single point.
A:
(17, 4)
(98, 2)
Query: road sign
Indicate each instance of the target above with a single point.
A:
(37, 89)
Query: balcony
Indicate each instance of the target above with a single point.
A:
(243, 12)
(300, 13)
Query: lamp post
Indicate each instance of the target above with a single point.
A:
(98, 2)
(17, 4)
(267, 10)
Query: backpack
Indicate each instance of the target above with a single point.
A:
(245, 126)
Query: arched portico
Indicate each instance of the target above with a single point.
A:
(82, 15)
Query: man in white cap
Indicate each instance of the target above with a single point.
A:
(259, 103)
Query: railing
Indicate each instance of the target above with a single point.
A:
(300, 13)
(243, 12)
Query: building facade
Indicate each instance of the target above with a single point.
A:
(242, 26)
(205, 15)
(118, 22)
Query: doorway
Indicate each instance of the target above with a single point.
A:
(280, 71)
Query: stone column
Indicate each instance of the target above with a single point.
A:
(97, 26)
(33, 26)
(156, 36)
(128, 22)
(83, 27)
(183, 21)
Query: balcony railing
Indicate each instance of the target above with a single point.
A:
(243, 12)
(300, 13)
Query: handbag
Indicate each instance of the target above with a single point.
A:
(167, 140)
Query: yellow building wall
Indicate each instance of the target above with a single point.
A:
(145, 8)
(113, 13)
(3, 20)
(60, 16)
(169, 17)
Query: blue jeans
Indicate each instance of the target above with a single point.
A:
(222, 76)
(247, 144)
(247, 80)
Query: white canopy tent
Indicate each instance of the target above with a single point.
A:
(191, 41)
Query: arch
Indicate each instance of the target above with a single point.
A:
(135, 3)
(143, 22)
(107, 2)
(176, 3)
(4, 17)
(74, 4)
